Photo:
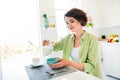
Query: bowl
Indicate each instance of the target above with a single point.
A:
(52, 60)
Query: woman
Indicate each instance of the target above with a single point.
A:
(80, 50)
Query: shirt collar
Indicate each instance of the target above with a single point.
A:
(82, 37)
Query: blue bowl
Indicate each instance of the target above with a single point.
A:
(52, 61)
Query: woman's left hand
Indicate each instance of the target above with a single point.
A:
(62, 62)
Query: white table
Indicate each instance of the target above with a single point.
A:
(78, 75)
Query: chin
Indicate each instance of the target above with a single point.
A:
(72, 30)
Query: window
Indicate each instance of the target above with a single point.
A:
(60, 10)
(19, 28)
(19, 35)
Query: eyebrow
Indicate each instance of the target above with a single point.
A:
(71, 20)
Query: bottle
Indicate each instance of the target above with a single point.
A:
(45, 21)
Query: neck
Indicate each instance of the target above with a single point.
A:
(79, 34)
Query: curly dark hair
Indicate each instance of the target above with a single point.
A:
(78, 14)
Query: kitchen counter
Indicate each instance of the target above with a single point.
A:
(111, 55)
(99, 39)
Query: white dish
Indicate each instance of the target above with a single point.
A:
(35, 66)
(38, 65)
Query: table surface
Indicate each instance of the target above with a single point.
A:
(40, 72)
(66, 73)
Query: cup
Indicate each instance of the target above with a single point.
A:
(35, 61)
(47, 50)
(52, 60)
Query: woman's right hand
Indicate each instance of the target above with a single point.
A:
(45, 42)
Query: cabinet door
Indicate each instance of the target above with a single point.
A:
(111, 56)
(111, 16)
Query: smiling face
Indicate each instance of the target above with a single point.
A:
(73, 24)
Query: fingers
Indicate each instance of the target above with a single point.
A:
(56, 66)
(60, 64)
(45, 42)
(59, 59)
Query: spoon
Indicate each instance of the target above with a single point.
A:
(52, 73)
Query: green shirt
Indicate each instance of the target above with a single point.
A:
(88, 53)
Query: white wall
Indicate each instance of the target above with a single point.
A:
(108, 3)
(105, 31)
(95, 31)
(93, 8)
(109, 30)
(112, 16)
(96, 8)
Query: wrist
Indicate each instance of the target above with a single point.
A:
(68, 62)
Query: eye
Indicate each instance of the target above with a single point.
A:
(67, 23)
(70, 21)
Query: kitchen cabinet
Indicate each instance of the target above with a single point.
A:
(111, 16)
(111, 55)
